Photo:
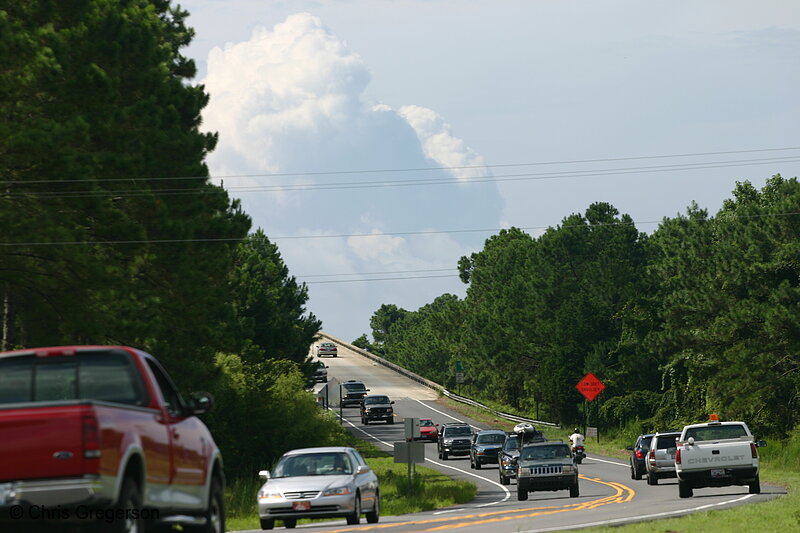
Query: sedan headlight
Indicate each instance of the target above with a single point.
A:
(338, 491)
(268, 494)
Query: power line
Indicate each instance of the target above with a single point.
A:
(417, 169)
(356, 235)
(379, 279)
(376, 273)
(410, 183)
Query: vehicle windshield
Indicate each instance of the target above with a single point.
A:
(372, 400)
(459, 431)
(426, 423)
(552, 451)
(491, 438)
(716, 432)
(511, 443)
(313, 464)
(354, 387)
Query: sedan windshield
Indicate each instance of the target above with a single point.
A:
(425, 423)
(555, 451)
(313, 464)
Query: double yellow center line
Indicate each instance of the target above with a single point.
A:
(622, 494)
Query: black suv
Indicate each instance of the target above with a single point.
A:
(376, 407)
(353, 392)
(486, 444)
(639, 456)
(454, 439)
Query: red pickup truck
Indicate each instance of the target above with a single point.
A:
(99, 434)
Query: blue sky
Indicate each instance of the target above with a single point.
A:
(330, 86)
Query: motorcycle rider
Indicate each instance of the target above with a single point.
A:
(577, 439)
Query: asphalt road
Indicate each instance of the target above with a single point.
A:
(608, 495)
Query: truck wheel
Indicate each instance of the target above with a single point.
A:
(574, 490)
(355, 517)
(477, 464)
(444, 456)
(522, 493)
(504, 480)
(267, 523)
(652, 479)
(755, 486)
(129, 499)
(215, 513)
(375, 515)
(290, 523)
(684, 489)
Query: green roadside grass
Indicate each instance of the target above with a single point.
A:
(780, 465)
(429, 490)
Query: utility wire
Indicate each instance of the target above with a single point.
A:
(379, 279)
(389, 234)
(418, 169)
(408, 183)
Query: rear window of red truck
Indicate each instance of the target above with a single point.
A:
(106, 375)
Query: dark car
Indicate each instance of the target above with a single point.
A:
(454, 439)
(377, 407)
(546, 466)
(353, 392)
(507, 459)
(638, 456)
(486, 445)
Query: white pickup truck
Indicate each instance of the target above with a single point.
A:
(717, 454)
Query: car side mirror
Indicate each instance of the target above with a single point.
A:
(690, 441)
(366, 390)
(629, 448)
(437, 425)
(362, 469)
(200, 402)
(761, 444)
(392, 402)
(263, 474)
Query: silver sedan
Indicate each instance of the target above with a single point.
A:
(319, 483)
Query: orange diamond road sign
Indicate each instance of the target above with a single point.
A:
(590, 386)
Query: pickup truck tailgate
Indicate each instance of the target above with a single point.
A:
(723, 454)
(41, 441)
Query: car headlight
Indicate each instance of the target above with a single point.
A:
(479, 451)
(268, 495)
(338, 491)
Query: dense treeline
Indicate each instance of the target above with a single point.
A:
(112, 232)
(702, 315)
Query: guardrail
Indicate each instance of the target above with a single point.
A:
(435, 386)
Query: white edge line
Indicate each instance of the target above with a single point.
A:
(442, 413)
(593, 458)
(640, 518)
(508, 493)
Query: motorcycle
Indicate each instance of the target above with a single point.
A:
(580, 453)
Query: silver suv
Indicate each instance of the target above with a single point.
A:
(660, 462)
(546, 466)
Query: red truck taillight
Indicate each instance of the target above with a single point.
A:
(753, 450)
(678, 456)
(91, 436)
